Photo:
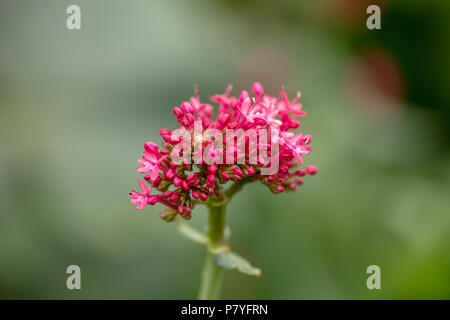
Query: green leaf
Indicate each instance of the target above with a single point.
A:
(231, 260)
(191, 233)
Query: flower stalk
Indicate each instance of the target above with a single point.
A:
(212, 274)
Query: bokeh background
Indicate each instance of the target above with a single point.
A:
(77, 106)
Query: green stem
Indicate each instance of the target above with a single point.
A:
(234, 188)
(211, 278)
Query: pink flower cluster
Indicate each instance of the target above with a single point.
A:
(182, 185)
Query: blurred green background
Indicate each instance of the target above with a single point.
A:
(77, 106)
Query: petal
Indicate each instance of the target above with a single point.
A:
(143, 187)
(298, 156)
(135, 201)
(142, 204)
(133, 194)
(149, 156)
(245, 106)
(297, 107)
(151, 146)
(142, 170)
(154, 174)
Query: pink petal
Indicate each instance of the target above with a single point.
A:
(154, 173)
(135, 201)
(142, 204)
(149, 156)
(143, 187)
(257, 88)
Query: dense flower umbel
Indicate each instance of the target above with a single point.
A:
(181, 185)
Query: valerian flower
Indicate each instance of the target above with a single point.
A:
(210, 162)
(141, 198)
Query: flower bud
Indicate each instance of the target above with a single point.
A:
(225, 176)
(165, 132)
(157, 181)
(167, 138)
(177, 182)
(186, 107)
(195, 194)
(212, 169)
(184, 186)
(168, 215)
(174, 197)
(257, 89)
(243, 96)
(211, 179)
(196, 182)
(153, 200)
(190, 118)
(191, 178)
(178, 113)
(236, 171)
(165, 152)
(187, 213)
(294, 124)
(151, 147)
(311, 170)
(169, 174)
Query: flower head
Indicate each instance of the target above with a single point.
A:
(200, 156)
